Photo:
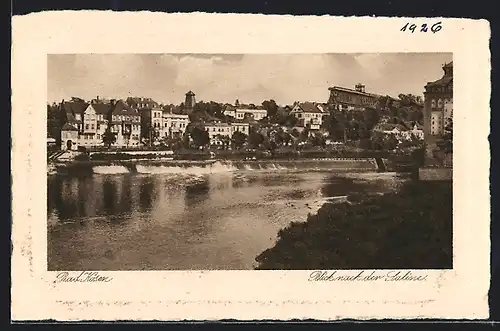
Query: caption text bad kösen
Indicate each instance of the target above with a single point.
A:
(326, 276)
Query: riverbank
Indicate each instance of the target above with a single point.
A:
(410, 229)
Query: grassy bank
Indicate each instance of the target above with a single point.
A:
(411, 229)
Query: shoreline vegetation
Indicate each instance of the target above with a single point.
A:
(408, 229)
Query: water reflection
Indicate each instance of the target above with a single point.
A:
(217, 221)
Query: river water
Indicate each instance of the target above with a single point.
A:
(166, 218)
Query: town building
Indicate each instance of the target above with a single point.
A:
(125, 124)
(343, 99)
(398, 130)
(90, 120)
(308, 114)
(242, 111)
(417, 130)
(438, 104)
(163, 123)
(174, 124)
(217, 130)
(69, 137)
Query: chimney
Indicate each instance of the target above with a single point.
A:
(97, 98)
(360, 88)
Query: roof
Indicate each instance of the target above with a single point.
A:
(309, 107)
(444, 81)
(250, 109)
(139, 99)
(348, 90)
(239, 122)
(389, 127)
(215, 124)
(167, 113)
(101, 108)
(67, 127)
(74, 107)
(121, 108)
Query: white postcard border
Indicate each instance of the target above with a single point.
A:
(199, 295)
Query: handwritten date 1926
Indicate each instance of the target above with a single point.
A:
(411, 27)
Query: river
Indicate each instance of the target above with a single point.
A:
(167, 218)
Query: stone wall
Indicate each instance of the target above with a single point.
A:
(431, 174)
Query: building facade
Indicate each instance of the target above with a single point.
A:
(69, 137)
(125, 124)
(343, 99)
(91, 120)
(174, 124)
(242, 111)
(163, 123)
(218, 130)
(308, 114)
(438, 104)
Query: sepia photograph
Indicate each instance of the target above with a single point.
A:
(180, 161)
(288, 168)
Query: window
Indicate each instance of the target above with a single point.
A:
(98, 126)
(86, 126)
(92, 126)
(433, 103)
(165, 124)
(440, 103)
(98, 136)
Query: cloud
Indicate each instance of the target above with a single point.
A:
(373, 64)
(225, 77)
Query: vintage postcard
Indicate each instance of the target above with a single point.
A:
(219, 166)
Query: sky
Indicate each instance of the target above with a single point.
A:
(250, 78)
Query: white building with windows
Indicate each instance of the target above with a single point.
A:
(242, 111)
(165, 123)
(308, 114)
(216, 130)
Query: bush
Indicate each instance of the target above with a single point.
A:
(411, 229)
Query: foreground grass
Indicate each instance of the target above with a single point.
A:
(411, 229)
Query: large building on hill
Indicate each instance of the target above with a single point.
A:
(86, 123)
(342, 98)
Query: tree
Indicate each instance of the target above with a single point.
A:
(304, 135)
(371, 118)
(390, 142)
(238, 139)
(255, 139)
(271, 107)
(200, 137)
(282, 138)
(108, 138)
(318, 140)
